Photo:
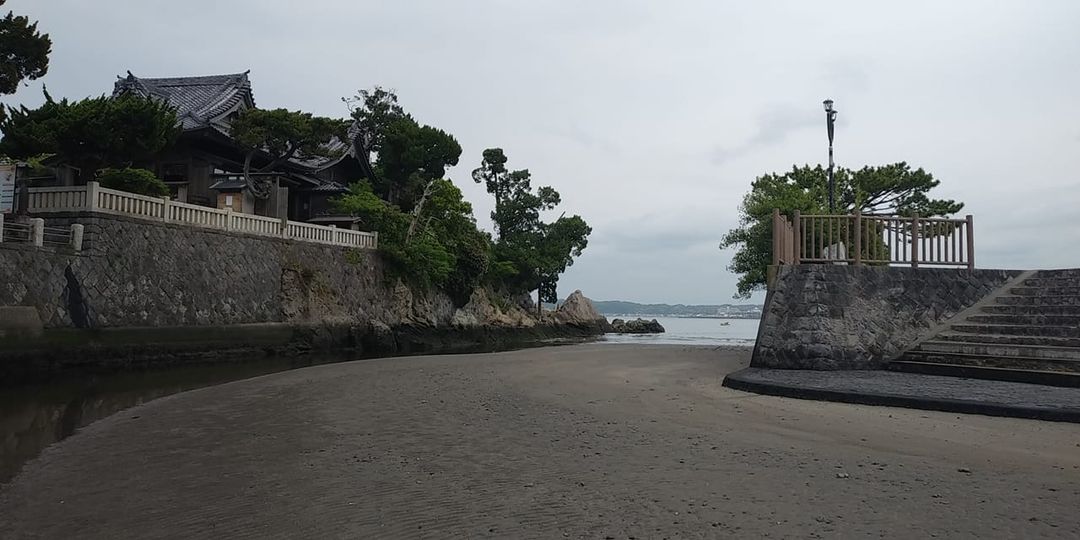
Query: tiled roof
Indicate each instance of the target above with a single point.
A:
(337, 150)
(331, 187)
(199, 101)
(206, 101)
(229, 184)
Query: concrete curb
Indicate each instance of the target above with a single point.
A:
(739, 381)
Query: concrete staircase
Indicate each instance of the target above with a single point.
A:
(1027, 332)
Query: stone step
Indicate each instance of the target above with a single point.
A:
(1026, 318)
(1021, 309)
(1045, 291)
(1038, 300)
(993, 360)
(1044, 282)
(1008, 340)
(1017, 329)
(1062, 272)
(1000, 350)
(994, 373)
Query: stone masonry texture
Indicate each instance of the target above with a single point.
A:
(831, 317)
(133, 273)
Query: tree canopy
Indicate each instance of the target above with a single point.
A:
(894, 189)
(24, 52)
(440, 246)
(139, 181)
(409, 155)
(282, 135)
(426, 228)
(528, 253)
(93, 133)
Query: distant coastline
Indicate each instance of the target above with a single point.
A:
(654, 315)
(621, 308)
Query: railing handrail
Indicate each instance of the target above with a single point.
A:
(57, 189)
(163, 209)
(129, 195)
(873, 239)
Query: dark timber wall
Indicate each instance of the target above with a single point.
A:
(830, 317)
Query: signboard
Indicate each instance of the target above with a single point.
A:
(7, 188)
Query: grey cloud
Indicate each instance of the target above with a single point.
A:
(774, 125)
(848, 73)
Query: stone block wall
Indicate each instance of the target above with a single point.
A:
(829, 317)
(138, 273)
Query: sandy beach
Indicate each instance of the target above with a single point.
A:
(585, 441)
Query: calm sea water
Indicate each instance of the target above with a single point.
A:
(680, 331)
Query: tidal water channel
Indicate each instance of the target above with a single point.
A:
(34, 417)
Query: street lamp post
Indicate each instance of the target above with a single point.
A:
(830, 121)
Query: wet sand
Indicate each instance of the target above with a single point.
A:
(589, 441)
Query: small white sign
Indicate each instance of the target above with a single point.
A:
(7, 188)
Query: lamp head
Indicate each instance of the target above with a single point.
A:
(828, 105)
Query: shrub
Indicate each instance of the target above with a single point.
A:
(139, 181)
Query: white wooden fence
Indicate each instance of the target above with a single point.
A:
(94, 198)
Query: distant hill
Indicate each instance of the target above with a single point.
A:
(733, 311)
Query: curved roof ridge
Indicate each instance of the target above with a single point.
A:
(199, 101)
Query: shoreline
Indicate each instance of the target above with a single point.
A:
(65, 353)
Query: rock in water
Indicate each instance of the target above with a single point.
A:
(580, 311)
(636, 326)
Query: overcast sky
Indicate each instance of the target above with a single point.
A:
(652, 118)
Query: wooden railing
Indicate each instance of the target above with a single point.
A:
(871, 239)
(94, 198)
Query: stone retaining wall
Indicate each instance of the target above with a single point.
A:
(137, 273)
(859, 317)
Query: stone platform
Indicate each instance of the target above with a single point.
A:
(914, 391)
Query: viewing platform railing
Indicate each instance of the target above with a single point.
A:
(873, 239)
(94, 198)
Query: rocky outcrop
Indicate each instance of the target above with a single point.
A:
(636, 326)
(481, 311)
(579, 311)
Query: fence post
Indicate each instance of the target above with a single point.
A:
(76, 236)
(285, 227)
(858, 237)
(970, 242)
(1, 228)
(228, 218)
(92, 196)
(165, 209)
(776, 236)
(375, 240)
(796, 232)
(915, 241)
(37, 231)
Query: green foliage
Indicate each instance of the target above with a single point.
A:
(409, 155)
(354, 256)
(427, 231)
(529, 253)
(24, 52)
(893, 189)
(93, 133)
(279, 135)
(139, 181)
(446, 251)
(284, 134)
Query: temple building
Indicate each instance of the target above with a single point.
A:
(206, 165)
